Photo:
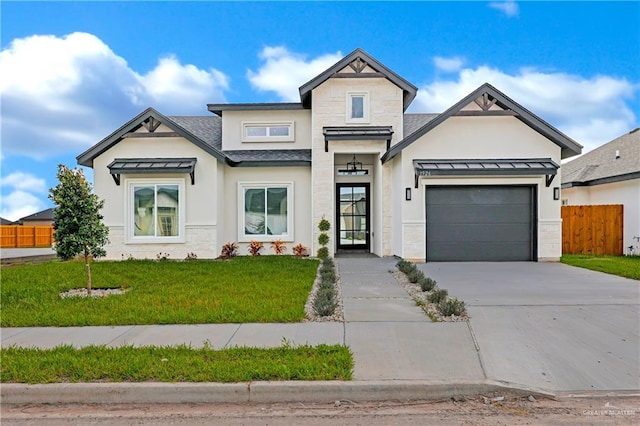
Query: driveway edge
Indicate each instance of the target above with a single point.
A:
(256, 392)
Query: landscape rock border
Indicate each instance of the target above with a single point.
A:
(420, 297)
(338, 315)
(95, 293)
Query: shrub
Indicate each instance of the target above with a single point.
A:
(415, 275)
(328, 261)
(451, 307)
(323, 239)
(300, 251)
(405, 266)
(229, 250)
(278, 246)
(437, 295)
(328, 292)
(191, 256)
(324, 268)
(427, 284)
(324, 225)
(325, 284)
(328, 276)
(325, 302)
(255, 247)
(323, 252)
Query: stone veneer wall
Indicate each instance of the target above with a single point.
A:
(549, 240)
(329, 109)
(200, 240)
(413, 235)
(387, 210)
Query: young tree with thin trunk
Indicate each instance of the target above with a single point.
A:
(77, 219)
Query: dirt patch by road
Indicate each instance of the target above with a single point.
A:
(475, 411)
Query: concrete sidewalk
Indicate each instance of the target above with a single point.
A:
(217, 336)
(20, 253)
(398, 352)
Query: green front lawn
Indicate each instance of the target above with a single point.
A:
(624, 266)
(174, 364)
(242, 290)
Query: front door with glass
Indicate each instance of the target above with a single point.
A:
(352, 216)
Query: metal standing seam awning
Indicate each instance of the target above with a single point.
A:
(151, 165)
(481, 167)
(352, 133)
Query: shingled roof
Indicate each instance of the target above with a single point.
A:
(614, 161)
(41, 215)
(4, 221)
(271, 157)
(207, 128)
(413, 122)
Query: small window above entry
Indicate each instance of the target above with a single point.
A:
(268, 132)
(357, 107)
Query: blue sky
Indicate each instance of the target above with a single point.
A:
(72, 72)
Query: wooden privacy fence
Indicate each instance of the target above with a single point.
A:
(592, 229)
(17, 236)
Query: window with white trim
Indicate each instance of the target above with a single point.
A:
(155, 210)
(267, 212)
(357, 107)
(268, 132)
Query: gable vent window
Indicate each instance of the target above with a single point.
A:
(358, 107)
(260, 132)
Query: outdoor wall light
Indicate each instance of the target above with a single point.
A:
(407, 194)
(556, 193)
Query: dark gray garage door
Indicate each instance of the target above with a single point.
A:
(480, 223)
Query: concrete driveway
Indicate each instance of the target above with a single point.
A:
(550, 325)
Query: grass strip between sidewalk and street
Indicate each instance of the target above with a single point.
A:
(174, 364)
(623, 266)
(262, 289)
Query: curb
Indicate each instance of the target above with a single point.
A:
(574, 395)
(255, 392)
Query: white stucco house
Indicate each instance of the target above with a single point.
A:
(610, 174)
(479, 181)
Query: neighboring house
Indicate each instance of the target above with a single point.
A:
(610, 174)
(41, 218)
(475, 182)
(4, 221)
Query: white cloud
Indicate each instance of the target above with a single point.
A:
(448, 64)
(508, 7)
(24, 195)
(171, 83)
(64, 94)
(24, 181)
(19, 204)
(284, 72)
(592, 111)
